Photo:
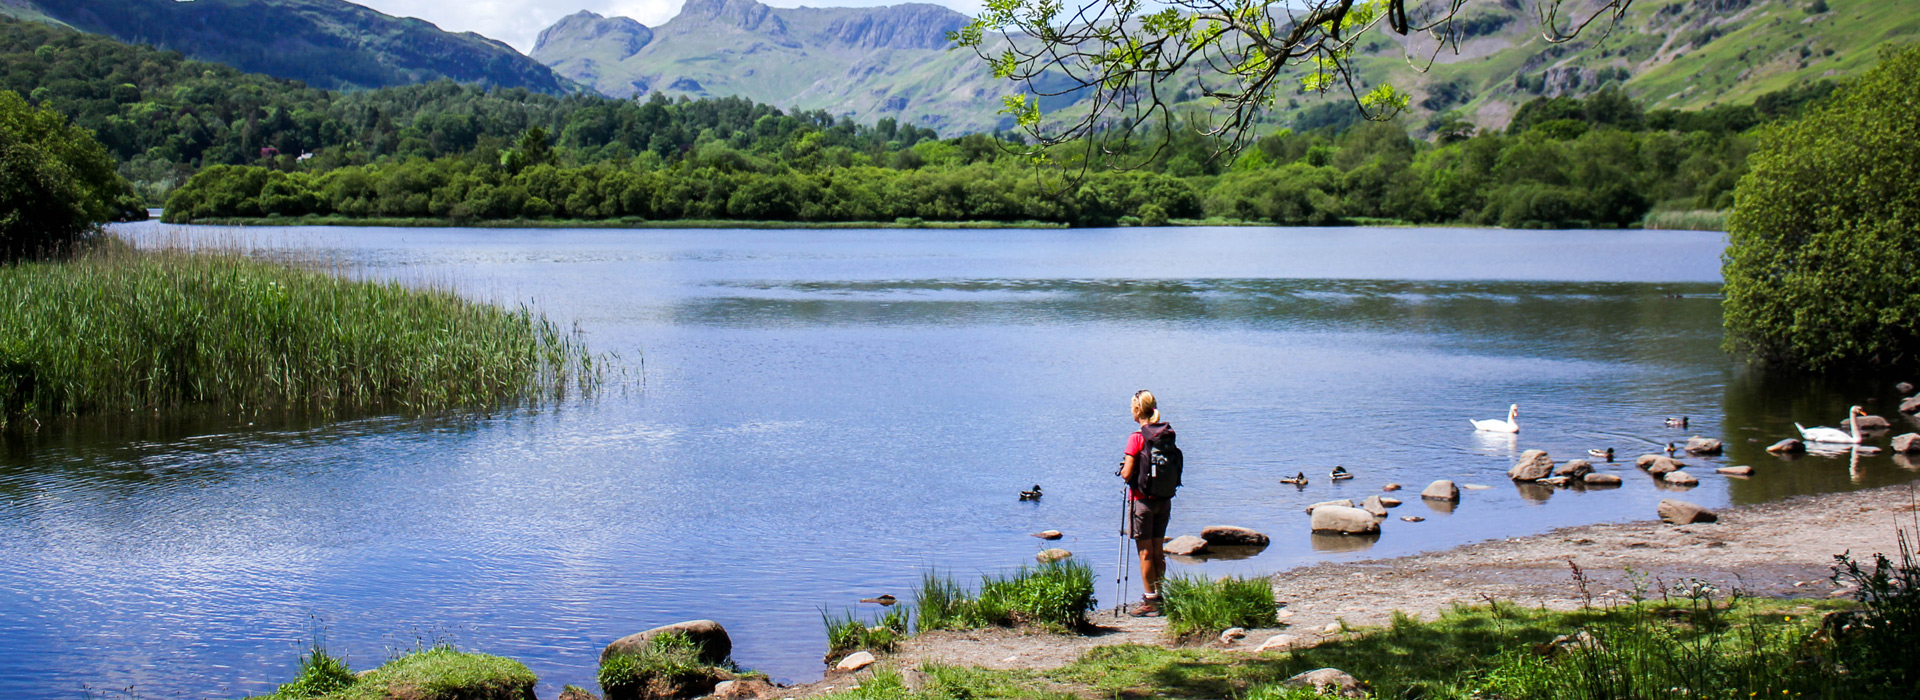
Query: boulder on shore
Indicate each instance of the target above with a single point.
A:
(1049, 556)
(1374, 506)
(1574, 469)
(1788, 446)
(1601, 480)
(1344, 520)
(1442, 490)
(1231, 536)
(855, 661)
(1684, 513)
(712, 640)
(1327, 681)
(1871, 423)
(1281, 642)
(1185, 545)
(1703, 446)
(1663, 466)
(1735, 471)
(1534, 465)
(1679, 478)
(1348, 502)
(1906, 443)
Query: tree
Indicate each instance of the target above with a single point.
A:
(57, 183)
(1820, 267)
(1121, 53)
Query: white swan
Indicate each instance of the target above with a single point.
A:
(1834, 436)
(1500, 426)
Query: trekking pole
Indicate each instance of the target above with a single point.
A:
(1120, 566)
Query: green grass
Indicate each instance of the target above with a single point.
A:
(847, 633)
(319, 674)
(436, 673)
(669, 666)
(1054, 596)
(944, 682)
(622, 223)
(119, 330)
(1197, 606)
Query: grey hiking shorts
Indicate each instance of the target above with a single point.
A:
(1150, 518)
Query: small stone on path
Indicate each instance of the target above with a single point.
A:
(1278, 642)
(1233, 634)
(1327, 681)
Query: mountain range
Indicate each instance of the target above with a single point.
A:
(326, 43)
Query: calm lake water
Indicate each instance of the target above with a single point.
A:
(822, 415)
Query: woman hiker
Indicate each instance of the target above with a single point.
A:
(1148, 522)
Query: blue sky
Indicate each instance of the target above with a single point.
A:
(518, 22)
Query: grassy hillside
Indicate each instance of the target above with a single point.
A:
(326, 43)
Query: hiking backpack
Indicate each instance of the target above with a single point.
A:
(1156, 471)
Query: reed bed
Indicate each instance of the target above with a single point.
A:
(119, 329)
(1686, 220)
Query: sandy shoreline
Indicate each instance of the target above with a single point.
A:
(1779, 549)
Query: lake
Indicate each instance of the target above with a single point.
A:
(812, 417)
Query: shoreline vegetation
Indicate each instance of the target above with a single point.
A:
(113, 329)
(1691, 220)
(1732, 609)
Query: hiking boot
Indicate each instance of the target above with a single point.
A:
(1147, 607)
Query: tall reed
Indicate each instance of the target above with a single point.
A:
(119, 330)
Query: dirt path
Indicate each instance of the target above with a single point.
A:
(1784, 548)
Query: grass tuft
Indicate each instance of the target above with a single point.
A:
(847, 633)
(118, 329)
(442, 673)
(669, 666)
(320, 674)
(1056, 595)
(1197, 606)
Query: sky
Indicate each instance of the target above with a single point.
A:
(518, 22)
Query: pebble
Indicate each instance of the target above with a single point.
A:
(1412, 518)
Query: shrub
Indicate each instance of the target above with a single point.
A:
(1199, 606)
(443, 673)
(669, 666)
(56, 182)
(1819, 267)
(1876, 644)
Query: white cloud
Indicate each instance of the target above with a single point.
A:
(518, 22)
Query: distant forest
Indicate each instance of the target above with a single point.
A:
(213, 142)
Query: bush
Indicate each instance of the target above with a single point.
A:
(1819, 267)
(57, 183)
(1196, 606)
(669, 667)
(1055, 595)
(443, 673)
(1876, 644)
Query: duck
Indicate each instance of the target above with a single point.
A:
(1299, 479)
(1672, 448)
(1033, 495)
(1339, 473)
(1831, 435)
(884, 599)
(1606, 454)
(1510, 425)
(1680, 422)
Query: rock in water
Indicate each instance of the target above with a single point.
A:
(1871, 423)
(1185, 545)
(1348, 502)
(714, 644)
(855, 661)
(1327, 681)
(1442, 490)
(1644, 460)
(1684, 513)
(1278, 642)
(1903, 388)
(1374, 506)
(1534, 465)
(1703, 446)
(1413, 518)
(1908, 443)
(1048, 534)
(1574, 469)
(1911, 405)
(1735, 471)
(1601, 480)
(1049, 556)
(1663, 466)
(1788, 446)
(1679, 478)
(1556, 481)
(1390, 487)
(1230, 536)
(1390, 502)
(1344, 520)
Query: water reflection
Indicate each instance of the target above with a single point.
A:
(1342, 544)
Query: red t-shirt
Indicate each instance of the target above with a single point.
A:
(1135, 443)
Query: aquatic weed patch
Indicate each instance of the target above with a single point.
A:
(120, 330)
